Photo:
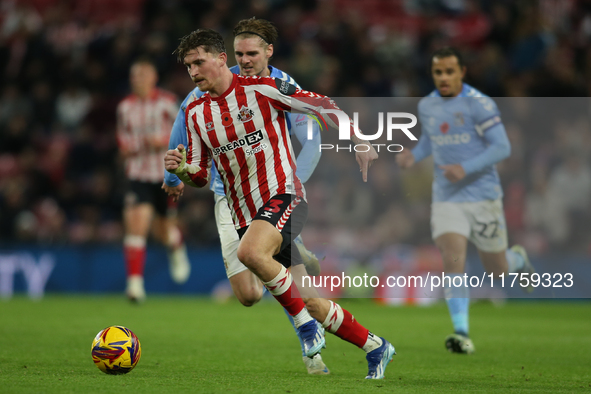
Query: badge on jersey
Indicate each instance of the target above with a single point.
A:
(245, 114)
(285, 87)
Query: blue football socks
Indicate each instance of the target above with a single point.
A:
(458, 300)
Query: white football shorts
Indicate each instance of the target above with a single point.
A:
(482, 222)
(228, 237)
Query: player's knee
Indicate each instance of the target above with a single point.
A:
(248, 255)
(250, 296)
(244, 254)
(453, 261)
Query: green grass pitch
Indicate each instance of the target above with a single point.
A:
(193, 345)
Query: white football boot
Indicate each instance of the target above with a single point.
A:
(179, 265)
(315, 365)
(135, 288)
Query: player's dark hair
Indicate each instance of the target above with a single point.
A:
(447, 52)
(210, 40)
(257, 27)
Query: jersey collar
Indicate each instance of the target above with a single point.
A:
(227, 92)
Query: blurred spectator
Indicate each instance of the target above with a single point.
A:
(72, 105)
(12, 104)
(569, 194)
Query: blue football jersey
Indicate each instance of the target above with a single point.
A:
(454, 132)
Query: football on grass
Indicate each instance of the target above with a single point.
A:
(116, 350)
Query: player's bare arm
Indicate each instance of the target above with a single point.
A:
(453, 172)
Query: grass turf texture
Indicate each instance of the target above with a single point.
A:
(195, 345)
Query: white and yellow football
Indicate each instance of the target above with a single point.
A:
(116, 350)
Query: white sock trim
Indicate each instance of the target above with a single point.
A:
(280, 284)
(334, 319)
(134, 241)
(302, 318)
(175, 238)
(373, 342)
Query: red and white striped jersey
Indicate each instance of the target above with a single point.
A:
(140, 121)
(245, 132)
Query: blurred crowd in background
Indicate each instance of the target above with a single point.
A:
(64, 66)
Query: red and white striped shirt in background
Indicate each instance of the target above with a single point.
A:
(245, 132)
(140, 121)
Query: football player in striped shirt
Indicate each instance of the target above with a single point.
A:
(462, 129)
(144, 119)
(240, 124)
(253, 46)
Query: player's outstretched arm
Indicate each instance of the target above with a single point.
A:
(286, 97)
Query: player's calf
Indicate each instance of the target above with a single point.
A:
(317, 307)
(247, 288)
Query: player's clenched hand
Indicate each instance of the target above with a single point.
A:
(405, 159)
(174, 191)
(453, 172)
(175, 159)
(365, 159)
